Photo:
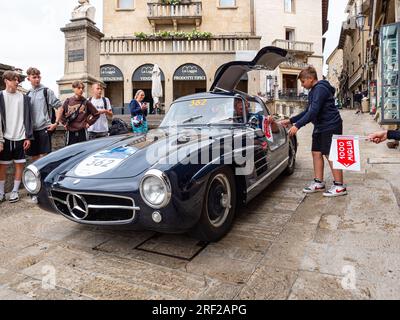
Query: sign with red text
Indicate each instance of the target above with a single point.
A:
(345, 153)
(267, 129)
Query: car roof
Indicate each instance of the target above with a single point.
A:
(205, 95)
(212, 95)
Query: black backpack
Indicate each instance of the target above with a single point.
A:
(104, 102)
(118, 126)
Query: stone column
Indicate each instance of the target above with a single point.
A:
(169, 92)
(82, 55)
(128, 90)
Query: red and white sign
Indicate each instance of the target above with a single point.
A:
(345, 153)
(267, 129)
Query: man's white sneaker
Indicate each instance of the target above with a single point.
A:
(14, 197)
(315, 187)
(336, 191)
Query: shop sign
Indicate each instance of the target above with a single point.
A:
(190, 72)
(111, 73)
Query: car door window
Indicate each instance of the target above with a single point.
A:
(280, 137)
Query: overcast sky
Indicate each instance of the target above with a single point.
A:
(30, 33)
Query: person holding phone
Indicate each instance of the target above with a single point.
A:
(139, 112)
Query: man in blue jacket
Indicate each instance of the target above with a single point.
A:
(323, 113)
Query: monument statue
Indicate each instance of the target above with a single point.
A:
(84, 10)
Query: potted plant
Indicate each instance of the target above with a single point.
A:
(171, 2)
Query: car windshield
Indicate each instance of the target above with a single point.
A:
(205, 112)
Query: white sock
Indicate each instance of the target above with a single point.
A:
(16, 185)
(2, 184)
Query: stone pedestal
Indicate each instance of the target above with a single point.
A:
(82, 55)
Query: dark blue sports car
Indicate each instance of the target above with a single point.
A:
(212, 152)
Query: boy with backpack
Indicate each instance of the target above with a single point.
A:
(103, 105)
(44, 119)
(325, 116)
(78, 114)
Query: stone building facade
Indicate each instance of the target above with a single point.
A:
(354, 41)
(295, 25)
(188, 63)
(335, 68)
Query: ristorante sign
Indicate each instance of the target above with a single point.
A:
(111, 73)
(190, 72)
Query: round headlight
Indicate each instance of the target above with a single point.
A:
(31, 179)
(155, 189)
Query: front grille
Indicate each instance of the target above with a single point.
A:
(92, 208)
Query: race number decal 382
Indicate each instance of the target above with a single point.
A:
(103, 161)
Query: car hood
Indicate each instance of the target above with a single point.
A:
(230, 73)
(132, 156)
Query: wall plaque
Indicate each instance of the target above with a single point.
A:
(76, 55)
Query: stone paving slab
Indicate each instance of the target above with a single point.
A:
(178, 246)
(269, 283)
(317, 286)
(283, 245)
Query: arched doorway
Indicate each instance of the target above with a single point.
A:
(114, 80)
(189, 79)
(142, 80)
(243, 85)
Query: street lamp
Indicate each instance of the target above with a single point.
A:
(360, 21)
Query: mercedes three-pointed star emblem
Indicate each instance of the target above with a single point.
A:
(77, 206)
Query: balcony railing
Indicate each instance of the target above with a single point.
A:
(294, 46)
(190, 13)
(294, 65)
(217, 44)
(292, 95)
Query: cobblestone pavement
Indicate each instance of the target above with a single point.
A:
(283, 245)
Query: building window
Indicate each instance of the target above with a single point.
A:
(227, 3)
(125, 4)
(289, 6)
(289, 34)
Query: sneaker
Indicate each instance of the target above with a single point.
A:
(336, 191)
(34, 199)
(2, 198)
(14, 197)
(315, 186)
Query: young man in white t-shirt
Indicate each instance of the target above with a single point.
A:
(103, 105)
(16, 125)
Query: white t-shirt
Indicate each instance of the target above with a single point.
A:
(15, 129)
(101, 125)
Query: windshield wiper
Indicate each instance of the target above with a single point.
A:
(227, 119)
(191, 119)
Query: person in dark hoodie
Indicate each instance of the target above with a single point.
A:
(322, 112)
